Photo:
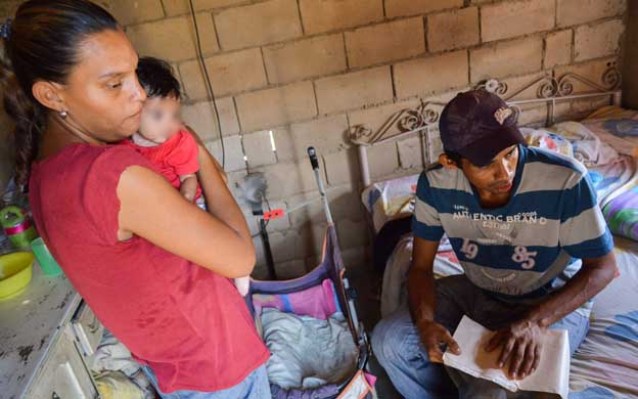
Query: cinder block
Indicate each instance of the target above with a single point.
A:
(327, 135)
(344, 201)
(558, 48)
(352, 234)
(177, 7)
(275, 107)
(600, 40)
(342, 167)
(383, 160)
(229, 73)
(574, 12)
(503, 59)
(354, 90)
(453, 29)
(385, 42)
(433, 74)
(291, 269)
(256, 24)
(307, 58)
(233, 160)
(173, 39)
(400, 8)
(374, 118)
(328, 15)
(516, 18)
(201, 117)
(287, 178)
(411, 152)
(258, 149)
(591, 70)
(130, 12)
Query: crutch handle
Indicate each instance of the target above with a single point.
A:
(312, 153)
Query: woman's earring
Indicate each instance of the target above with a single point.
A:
(64, 114)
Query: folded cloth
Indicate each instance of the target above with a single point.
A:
(307, 353)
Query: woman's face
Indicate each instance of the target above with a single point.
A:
(102, 95)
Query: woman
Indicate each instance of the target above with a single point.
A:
(154, 268)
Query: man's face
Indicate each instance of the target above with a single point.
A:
(495, 179)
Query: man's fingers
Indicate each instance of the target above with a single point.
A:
(494, 342)
(517, 356)
(528, 361)
(451, 343)
(435, 354)
(506, 352)
(537, 358)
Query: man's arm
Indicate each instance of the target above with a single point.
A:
(520, 341)
(422, 300)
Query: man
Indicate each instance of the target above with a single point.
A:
(530, 237)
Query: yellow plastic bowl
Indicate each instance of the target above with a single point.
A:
(15, 273)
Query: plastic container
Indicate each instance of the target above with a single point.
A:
(15, 273)
(46, 261)
(17, 227)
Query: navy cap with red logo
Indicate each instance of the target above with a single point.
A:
(477, 125)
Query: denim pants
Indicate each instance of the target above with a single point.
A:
(255, 386)
(398, 348)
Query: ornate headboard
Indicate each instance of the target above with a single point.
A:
(547, 90)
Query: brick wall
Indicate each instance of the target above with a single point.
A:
(307, 70)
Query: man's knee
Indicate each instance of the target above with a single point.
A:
(388, 337)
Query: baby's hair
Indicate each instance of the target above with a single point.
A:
(157, 79)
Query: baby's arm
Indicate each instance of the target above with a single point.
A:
(188, 188)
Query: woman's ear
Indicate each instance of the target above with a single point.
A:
(447, 162)
(48, 94)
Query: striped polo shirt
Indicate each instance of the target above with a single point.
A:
(530, 246)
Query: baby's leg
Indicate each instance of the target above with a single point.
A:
(243, 285)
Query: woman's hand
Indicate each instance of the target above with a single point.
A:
(521, 345)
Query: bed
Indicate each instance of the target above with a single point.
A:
(606, 142)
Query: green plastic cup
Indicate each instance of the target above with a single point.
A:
(46, 261)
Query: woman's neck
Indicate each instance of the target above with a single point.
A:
(61, 133)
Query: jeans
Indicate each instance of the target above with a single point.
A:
(255, 386)
(397, 345)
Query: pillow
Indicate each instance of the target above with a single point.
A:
(390, 199)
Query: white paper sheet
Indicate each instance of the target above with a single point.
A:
(552, 374)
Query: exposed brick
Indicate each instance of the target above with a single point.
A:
(234, 153)
(354, 90)
(432, 74)
(352, 234)
(344, 201)
(177, 7)
(385, 42)
(383, 160)
(514, 57)
(574, 12)
(453, 29)
(400, 8)
(173, 39)
(325, 134)
(342, 167)
(200, 116)
(288, 178)
(258, 149)
(228, 73)
(287, 246)
(275, 107)
(306, 58)
(235, 72)
(598, 40)
(510, 19)
(291, 269)
(257, 24)
(374, 118)
(328, 15)
(410, 152)
(558, 48)
(131, 12)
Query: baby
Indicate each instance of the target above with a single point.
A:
(163, 139)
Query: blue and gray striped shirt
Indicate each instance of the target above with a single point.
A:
(530, 246)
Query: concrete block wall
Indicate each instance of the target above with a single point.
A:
(302, 72)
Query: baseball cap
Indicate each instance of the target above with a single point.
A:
(478, 125)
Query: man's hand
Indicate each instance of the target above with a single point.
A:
(521, 345)
(434, 336)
